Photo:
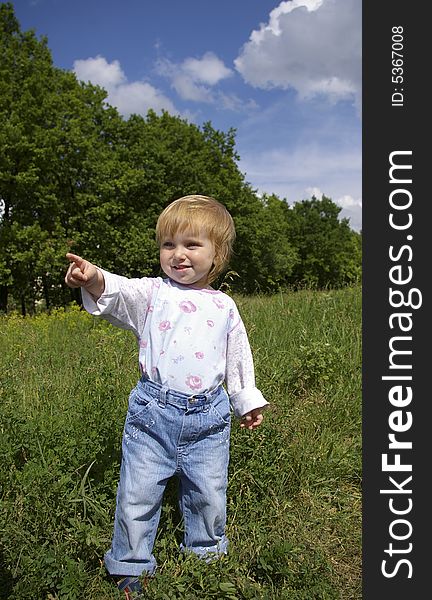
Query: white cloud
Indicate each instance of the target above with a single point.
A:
(307, 162)
(314, 191)
(183, 83)
(129, 97)
(313, 46)
(234, 103)
(196, 80)
(209, 69)
(283, 8)
(138, 97)
(349, 202)
(100, 72)
(334, 173)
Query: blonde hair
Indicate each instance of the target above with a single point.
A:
(200, 213)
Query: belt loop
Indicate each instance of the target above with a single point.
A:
(208, 399)
(163, 396)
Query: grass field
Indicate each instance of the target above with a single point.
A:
(294, 506)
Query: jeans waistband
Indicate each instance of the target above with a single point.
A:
(165, 395)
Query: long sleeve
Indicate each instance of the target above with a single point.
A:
(124, 302)
(240, 374)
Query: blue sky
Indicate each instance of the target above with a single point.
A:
(286, 75)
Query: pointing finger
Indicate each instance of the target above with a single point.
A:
(74, 258)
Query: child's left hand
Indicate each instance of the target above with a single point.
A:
(252, 419)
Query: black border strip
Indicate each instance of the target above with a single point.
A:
(396, 523)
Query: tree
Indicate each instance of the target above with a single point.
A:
(53, 132)
(265, 256)
(328, 250)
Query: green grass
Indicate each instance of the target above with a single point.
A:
(294, 504)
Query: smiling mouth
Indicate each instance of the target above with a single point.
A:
(181, 267)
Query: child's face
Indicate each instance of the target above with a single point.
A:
(187, 258)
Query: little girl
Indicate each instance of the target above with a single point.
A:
(191, 341)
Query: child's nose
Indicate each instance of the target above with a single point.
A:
(179, 252)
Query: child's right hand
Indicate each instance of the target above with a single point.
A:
(80, 273)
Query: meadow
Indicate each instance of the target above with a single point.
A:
(294, 497)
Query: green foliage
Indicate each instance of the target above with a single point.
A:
(294, 498)
(329, 252)
(316, 363)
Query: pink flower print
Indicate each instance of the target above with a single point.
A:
(164, 326)
(218, 302)
(143, 343)
(210, 323)
(178, 359)
(188, 330)
(194, 382)
(187, 306)
(150, 308)
(199, 355)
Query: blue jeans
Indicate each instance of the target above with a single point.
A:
(169, 433)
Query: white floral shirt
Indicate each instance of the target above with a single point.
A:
(190, 340)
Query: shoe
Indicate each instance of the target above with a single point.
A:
(131, 586)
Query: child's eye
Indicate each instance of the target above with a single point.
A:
(167, 245)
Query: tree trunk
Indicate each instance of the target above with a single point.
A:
(4, 292)
(46, 293)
